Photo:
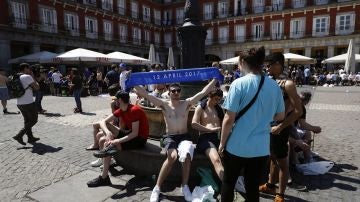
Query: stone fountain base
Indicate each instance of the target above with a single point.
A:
(149, 160)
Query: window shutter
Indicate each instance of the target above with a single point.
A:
(327, 25)
(292, 29)
(87, 24)
(352, 23)
(314, 27)
(43, 16)
(337, 25)
(302, 27)
(67, 21)
(54, 18)
(273, 30)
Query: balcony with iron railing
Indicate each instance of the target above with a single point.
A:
(21, 23)
(274, 37)
(107, 6)
(121, 10)
(135, 14)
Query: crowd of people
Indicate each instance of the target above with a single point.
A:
(261, 121)
(261, 115)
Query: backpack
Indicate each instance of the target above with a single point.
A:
(15, 86)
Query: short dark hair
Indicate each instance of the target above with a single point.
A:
(275, 58)
(113, 66)
(23, 66)
(174, 85)
(123, 95)
(217, 92)
(253, 57)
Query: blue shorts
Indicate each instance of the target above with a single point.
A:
(4, 93)
(173, 141)
(206, 141)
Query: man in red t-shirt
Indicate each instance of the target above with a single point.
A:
(132, 134)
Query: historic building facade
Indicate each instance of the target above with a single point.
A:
(315, 28)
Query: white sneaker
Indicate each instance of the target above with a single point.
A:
(186, 192)
(98, 162)
(155, 194)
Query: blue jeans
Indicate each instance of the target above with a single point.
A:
(77, 95)
(38, 98)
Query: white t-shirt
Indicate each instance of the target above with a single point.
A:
(122, 79)
(56, 77)
(27, 98)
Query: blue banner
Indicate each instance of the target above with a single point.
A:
(174, 76)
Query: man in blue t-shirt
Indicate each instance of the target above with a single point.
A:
(245, 142)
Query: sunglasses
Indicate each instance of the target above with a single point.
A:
(175, 90)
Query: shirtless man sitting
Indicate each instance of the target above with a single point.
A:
(207, 119)
(175, 113)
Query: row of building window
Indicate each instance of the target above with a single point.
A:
(345, 23)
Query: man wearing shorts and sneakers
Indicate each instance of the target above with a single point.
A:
(280, 132)
(207, 120)
(175, 113)
(134, 136)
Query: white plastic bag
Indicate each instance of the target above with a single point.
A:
(203, 194)
(240, 186)
(315, 168)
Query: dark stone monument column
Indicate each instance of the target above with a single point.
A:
(192, 37)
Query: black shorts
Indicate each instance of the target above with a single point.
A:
(279, 143)
(173, 141)
(57, 85)
(99, 84)
(206, 141)
(135, 143)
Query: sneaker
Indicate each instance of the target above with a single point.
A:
(6, 111)
(107, 151)
(96, 163)
(42, 111)
(279, 198)
(155, 194)
(186, 192)
(32, 140)
(99, 181)
(265, 189)
(19, 139)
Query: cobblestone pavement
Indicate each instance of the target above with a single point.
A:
(64, 135)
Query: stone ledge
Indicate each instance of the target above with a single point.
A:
(149, 160)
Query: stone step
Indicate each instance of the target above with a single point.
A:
(149, 160)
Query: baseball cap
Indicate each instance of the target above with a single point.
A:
(121, 94)
(122, 65)
(275, 58)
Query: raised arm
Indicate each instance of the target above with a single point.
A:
(206, 90)
(142, 92)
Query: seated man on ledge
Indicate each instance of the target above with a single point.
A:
(133, 118)
(207, 120)
(175, 113)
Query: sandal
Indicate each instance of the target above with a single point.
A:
(91, 147)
